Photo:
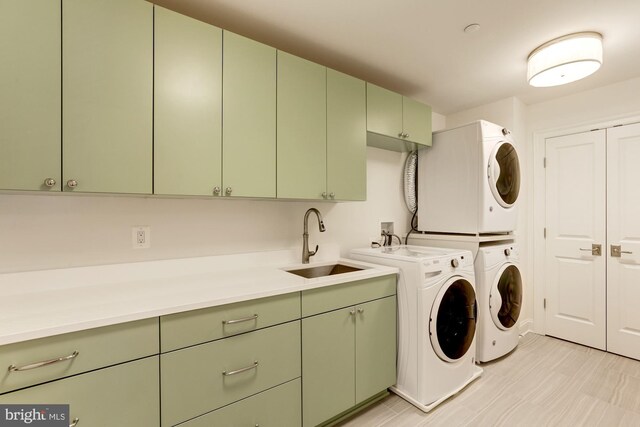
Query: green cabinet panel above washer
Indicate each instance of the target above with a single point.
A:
(187, 105)
(395, 122)
(107, 62)
(30, 98)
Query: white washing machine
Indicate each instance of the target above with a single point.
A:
(499, 287)
(436, 320)
(469, 181)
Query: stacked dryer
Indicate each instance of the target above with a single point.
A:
(468, 188)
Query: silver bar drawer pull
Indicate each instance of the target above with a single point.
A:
(75, 422)
(241, 370)
(244, 319)
(14, 368)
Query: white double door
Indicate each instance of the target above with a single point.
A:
(593, 198)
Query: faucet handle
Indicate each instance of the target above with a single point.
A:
(312, 253)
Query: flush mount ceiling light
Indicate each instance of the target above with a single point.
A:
(565, 59)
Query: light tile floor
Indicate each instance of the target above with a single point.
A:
(544, 382)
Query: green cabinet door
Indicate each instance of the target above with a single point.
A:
(346, 137)
(375, 347)
(249, 129)
(302, 128)
(107, 62)
(416, 123)
(328, 365)
(187, 105)
(30, 88)
(384, 111)
(124, 395)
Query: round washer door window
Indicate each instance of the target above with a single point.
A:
(504, 174)
(452, 323)
(505, 298)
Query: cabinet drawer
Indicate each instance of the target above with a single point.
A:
(329, 298)
(277, 407)
(199, 326)
(200, 379)
(125, 395)
(96, 348)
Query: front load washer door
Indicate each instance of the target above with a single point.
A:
(505, 297)
(452, 321)
(503, 172)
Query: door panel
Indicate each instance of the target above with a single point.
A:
(187, 105)
(302, 128)
(623, 216)
(416, 121)
(384, 111)
(107, 58)
(328, 365)
(346, 137)
(575, 218)
(30, 88)
(249, 129)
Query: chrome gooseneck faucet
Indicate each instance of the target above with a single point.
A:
(306, 253)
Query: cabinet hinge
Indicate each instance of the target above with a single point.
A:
(544, 303)
(544, 162)
(545, 232)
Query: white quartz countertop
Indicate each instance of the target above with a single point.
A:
(51, 302)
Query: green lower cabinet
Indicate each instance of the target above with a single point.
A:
(348, 356)
(375, 347)
(124, 395)
(200, 379)
(276, 407)
(328, 365)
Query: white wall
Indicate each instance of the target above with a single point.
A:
(512, 114)
(55, 231)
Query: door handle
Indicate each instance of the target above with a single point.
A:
(616, 251)
(596, 249)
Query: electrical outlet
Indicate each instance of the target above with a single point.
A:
(386, 227)
(141, 237)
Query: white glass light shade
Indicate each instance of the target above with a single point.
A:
(565, 59)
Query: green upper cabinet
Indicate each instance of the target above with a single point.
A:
(416, 121)
(395, 122)
(302, 128)
(30, 85)
(249, 130)
(107, 62)
(187, 105)
(346, 137)
(384, 111)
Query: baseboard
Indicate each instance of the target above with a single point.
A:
(526, 326)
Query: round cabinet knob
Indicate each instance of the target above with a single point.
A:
(332, 195)
(361, 310)
(216, 190)
(406, 135)
(72, 183)
(352, 312)
(49, 182)
(228, 191)
(324, 195)
(507, 252)
(401, 134)
(455, 263)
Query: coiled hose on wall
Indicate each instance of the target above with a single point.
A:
(410, 189)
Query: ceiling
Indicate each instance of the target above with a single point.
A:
(418, 47)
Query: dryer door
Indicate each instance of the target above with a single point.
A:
(452, 321)
(505, 297)
(503, 172)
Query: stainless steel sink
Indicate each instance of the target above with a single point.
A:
(323, 270)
